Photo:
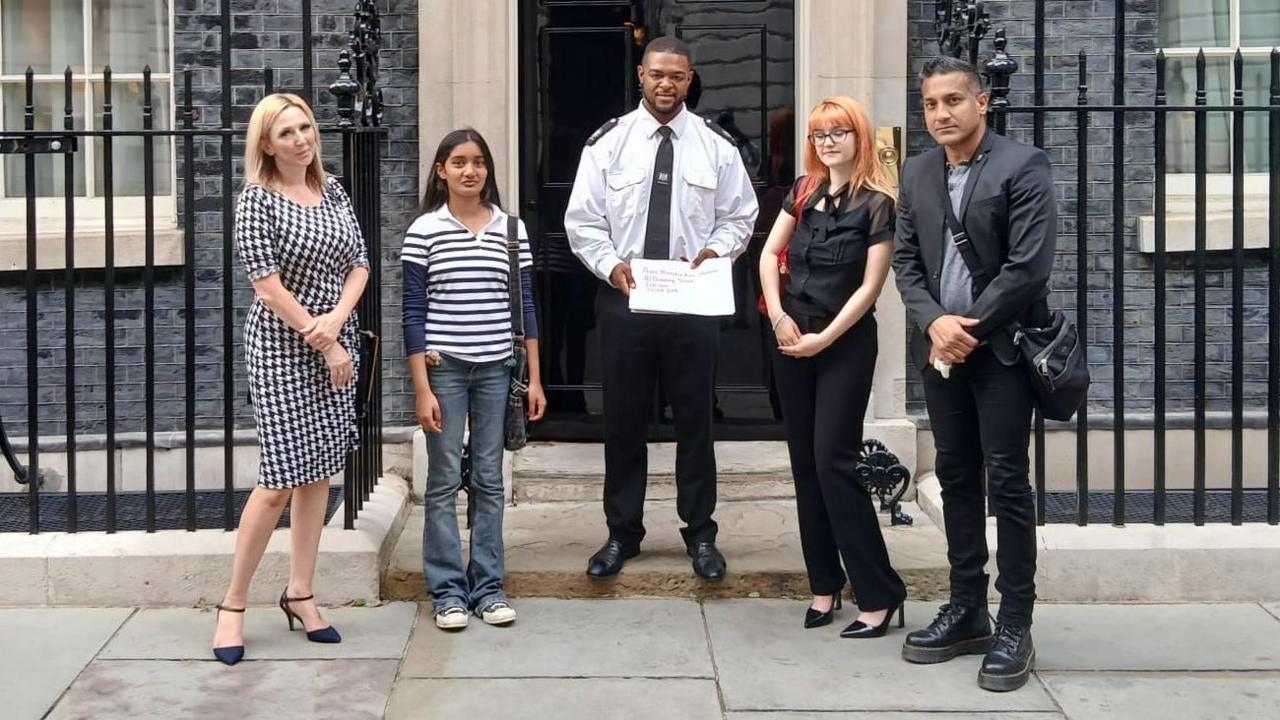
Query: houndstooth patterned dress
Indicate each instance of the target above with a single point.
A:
(306, 426)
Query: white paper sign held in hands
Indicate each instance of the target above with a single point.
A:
(672, 286)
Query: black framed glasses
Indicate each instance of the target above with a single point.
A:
(836, 135)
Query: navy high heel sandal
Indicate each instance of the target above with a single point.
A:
(233, 654)
(323, 635)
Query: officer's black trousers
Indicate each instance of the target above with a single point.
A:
(824, 399)
(981, 416)
(634, 350)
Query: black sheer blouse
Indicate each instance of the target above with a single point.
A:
(828, 252)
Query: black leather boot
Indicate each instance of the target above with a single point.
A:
(958, 630)
(1010, 660)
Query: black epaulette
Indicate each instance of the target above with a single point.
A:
(720, 131)
(605, 128)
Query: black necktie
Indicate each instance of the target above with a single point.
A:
(657, 232)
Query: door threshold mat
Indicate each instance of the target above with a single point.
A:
(1139, 507)
(171, 511)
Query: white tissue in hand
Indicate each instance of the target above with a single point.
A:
(943, 368)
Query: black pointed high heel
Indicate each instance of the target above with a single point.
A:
(813, 618)
(323, 635)
(859, 630)
(234, 653)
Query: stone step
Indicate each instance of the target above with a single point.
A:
(1139, 563)
(547, 546)
(574, 472)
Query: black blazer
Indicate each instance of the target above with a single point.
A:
(1010, 213)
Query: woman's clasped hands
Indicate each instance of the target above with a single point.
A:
(793, 343)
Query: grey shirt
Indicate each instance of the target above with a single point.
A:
(956, 281)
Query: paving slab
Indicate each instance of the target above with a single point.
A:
(1156, 637)
(163, 690)
(539, 699)
(185, 634)
(45, 649)
(1207, 696)
(627, 638)
(548, 545)
(874, 715)
(894, 716)
(817, 670)
(1274, 609)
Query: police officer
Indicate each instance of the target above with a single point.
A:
(658, 183)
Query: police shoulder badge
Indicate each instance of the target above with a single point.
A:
(600, 132)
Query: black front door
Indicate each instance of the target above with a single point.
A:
(578, 60)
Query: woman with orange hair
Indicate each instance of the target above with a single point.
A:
(833, 236)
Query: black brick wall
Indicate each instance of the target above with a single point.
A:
(264, 32)
(1073, 25)
(268, 31)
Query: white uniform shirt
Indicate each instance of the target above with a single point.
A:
(713, 204)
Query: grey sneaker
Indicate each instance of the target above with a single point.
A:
(452, 618)
(498, 612)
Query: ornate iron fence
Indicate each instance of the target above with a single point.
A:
(359, 112)
(961, 25)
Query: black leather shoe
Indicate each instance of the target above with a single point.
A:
(859, 630)
(708, 563)
(1010, 660)
(609, 558)
(815, 619)
(958, 630)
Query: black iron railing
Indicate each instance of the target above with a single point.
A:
(359, 113)
(961, 25)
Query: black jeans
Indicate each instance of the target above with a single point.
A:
(634, 350)
(981, 416)
(824, 399)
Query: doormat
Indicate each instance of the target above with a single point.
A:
(131, 510)
(1139, 507)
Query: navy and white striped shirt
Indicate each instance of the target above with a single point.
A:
(456, 298)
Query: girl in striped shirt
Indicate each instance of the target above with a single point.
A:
(457, 333)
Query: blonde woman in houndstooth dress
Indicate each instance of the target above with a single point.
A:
(301, 246)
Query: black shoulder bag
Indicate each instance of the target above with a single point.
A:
(516, 429)
(1053, 354)
(367, 350)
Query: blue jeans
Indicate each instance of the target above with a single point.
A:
(477, 391)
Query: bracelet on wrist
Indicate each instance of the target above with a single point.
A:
(778, 322)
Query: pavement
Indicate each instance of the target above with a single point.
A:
(624, 658)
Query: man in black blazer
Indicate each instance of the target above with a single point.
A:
(977, 389)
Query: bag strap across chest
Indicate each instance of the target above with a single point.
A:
(514, 283)
(960, 238)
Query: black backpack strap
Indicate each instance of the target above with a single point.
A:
(514, 284)
(964, 245)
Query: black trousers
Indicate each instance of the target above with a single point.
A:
(824, 399)
(981, 416)
(635, 349)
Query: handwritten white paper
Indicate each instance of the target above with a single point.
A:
(672, 286)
